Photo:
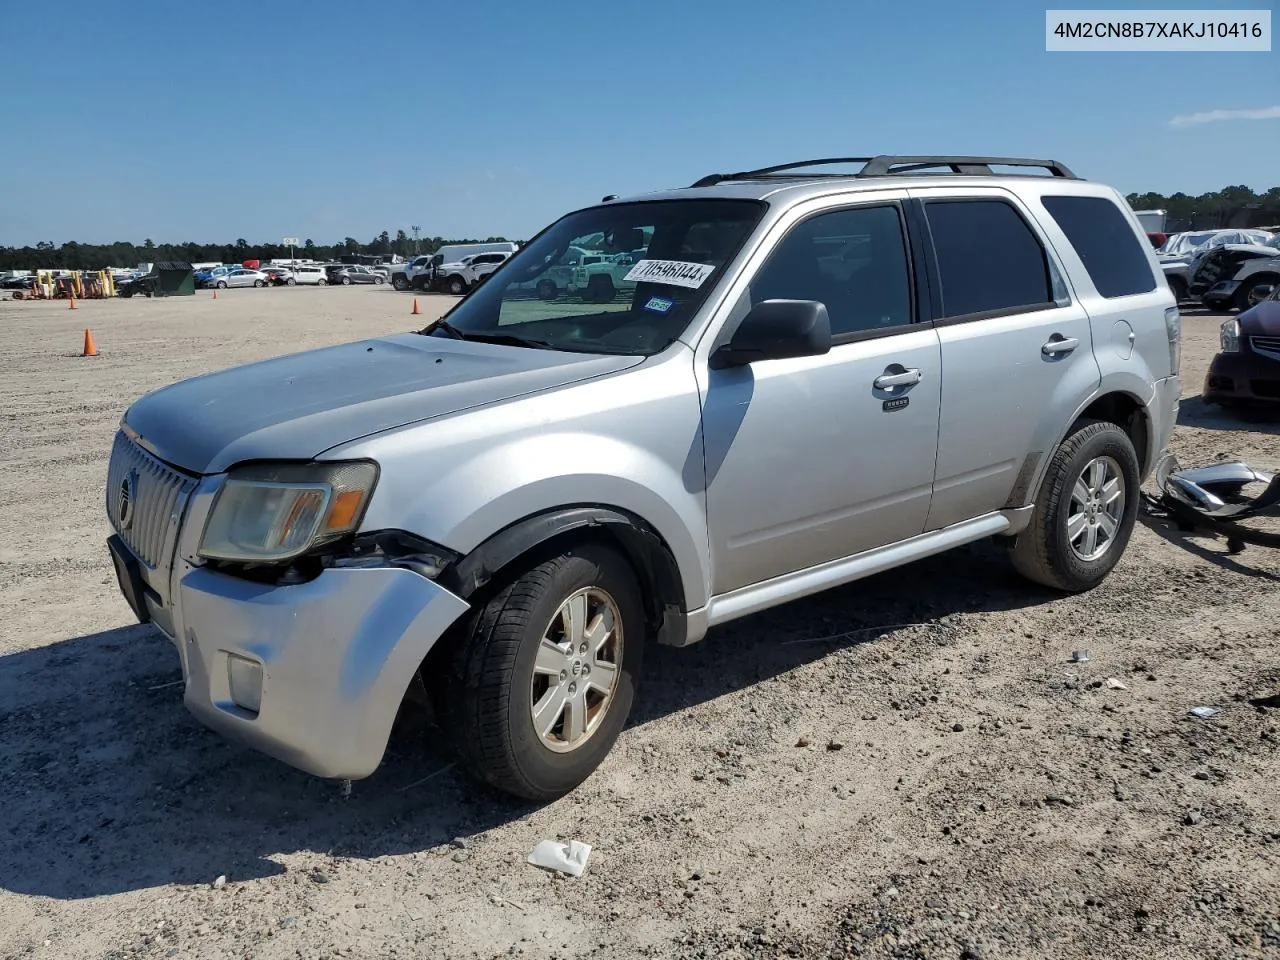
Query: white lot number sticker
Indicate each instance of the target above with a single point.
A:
(674, 272)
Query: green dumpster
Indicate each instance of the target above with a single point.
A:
(172, 278)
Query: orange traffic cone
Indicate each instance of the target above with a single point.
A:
(73, 302)
(415, 310)
(215, 294)
(90, 348)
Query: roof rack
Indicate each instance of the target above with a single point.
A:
(883, 166)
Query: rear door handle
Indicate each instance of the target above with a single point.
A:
(906, 377)
(1057, 344)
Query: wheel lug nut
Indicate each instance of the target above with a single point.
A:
(583, 648)
(564, 674)
(573, 688)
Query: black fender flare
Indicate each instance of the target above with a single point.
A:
(648, 553)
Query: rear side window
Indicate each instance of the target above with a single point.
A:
(1110, 251)
(988, 259)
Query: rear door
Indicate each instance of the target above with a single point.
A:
(1017, 351)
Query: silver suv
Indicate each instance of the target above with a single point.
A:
(815, 375)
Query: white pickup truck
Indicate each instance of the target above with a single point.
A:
(461, 275)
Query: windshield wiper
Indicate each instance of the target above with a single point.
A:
(447, 327)
(481, 337)
(510, 339)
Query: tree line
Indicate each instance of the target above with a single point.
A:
(92, 256)
(1237, 206)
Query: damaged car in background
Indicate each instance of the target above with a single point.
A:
(1181, 253)
(1233, 276)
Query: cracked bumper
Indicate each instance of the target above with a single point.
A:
(331, 660)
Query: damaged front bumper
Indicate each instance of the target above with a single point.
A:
(1218, 498)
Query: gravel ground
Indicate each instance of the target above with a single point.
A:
(906, 767)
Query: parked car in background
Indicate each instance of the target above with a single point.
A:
(279, 276)
(349, 273)
(1231, 276)
(240, 277)
(18, 283)
(1247, 367)
(210, 278)
(310, 273)
(1181, 254)
(460, 276)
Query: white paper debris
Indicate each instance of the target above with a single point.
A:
(1114, 684)
(1204, 713)
(1080, 656)
(570, 858)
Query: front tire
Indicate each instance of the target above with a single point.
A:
(259, 283)
(541, 684)
(1245, 297)
(1085, 512)
(457, 286)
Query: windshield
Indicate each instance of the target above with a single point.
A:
(621, 278)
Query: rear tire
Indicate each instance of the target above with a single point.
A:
(457, 286)
(522, 657)
(1077, 532)
(1179, 288)
(222, 284)
(346, 281)
(547, 290)
(400, 283)
(259, 283)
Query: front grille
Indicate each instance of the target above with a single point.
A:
(1267, 346)
(142, 496)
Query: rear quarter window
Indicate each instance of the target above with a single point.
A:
(1097, 228)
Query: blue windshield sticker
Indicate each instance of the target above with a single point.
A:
(659, 305)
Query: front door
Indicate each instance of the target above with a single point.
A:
(814, 459)
(1016, 349)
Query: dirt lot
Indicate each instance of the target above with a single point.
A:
(907, 767)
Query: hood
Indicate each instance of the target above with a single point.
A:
(295, 407)
(1262, 320)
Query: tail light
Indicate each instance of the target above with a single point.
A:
(1173, 328)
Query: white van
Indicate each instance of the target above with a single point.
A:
(310, 273)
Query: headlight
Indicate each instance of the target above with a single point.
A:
(270, 513)
(1230, 336)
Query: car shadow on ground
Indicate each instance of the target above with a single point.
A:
(1259, 418)
(1206, 545)
(112, 786)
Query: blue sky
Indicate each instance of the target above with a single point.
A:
(211, 122)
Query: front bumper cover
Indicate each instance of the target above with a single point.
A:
(336, 656)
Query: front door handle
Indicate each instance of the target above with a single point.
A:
(905, 378)
(1057, 344)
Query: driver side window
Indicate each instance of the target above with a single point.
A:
(853, 260)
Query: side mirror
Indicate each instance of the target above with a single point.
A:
(1263, 291)
(777, 330)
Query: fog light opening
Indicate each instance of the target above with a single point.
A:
(244, 682)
